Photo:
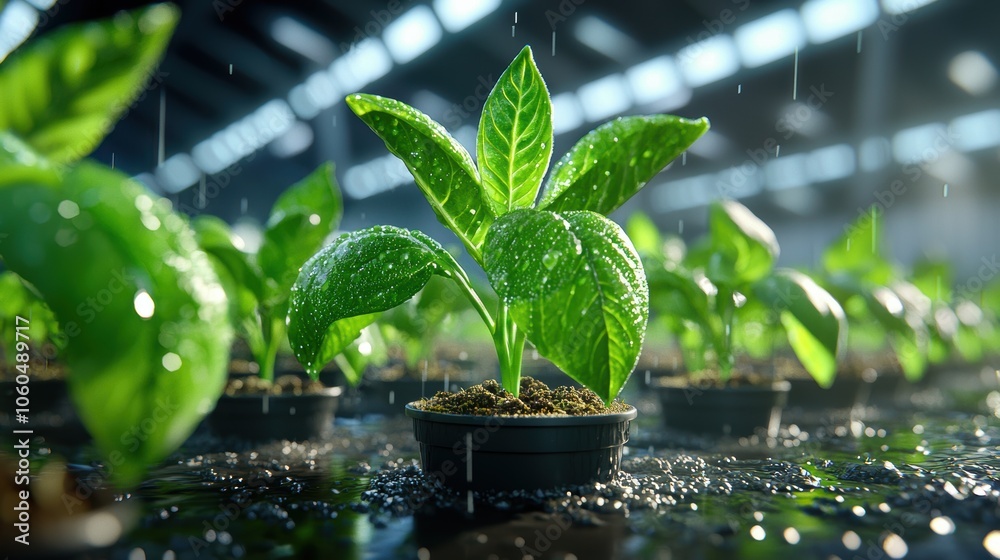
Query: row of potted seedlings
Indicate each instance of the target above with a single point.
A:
(564, 281)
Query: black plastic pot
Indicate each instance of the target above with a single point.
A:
(520, 452)
(389, 397)
(807, 394)
(275, 417)
(733, 411)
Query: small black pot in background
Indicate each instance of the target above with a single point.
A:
(805, 393)
(731, 411)
(519, 452)
(275, 417)
(389, 397)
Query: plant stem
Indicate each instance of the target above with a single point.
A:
(724, 299)
(462, 279)
(510, 348)
(273, 331)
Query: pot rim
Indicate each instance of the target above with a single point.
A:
(326, 392)
(778, 385)
(523, 421)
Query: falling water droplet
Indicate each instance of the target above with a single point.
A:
(777, 150)
(946, 190)
(859, 42)
(680, 226)
(553, 43)
(684, 158)
(161, 145)
(739, 89)
(795, 77)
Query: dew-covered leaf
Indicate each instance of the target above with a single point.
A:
(514, 142)
(64, 91)
(144, 316)
(441, 167)
(342, 288)
(612, 162)
(575, 285)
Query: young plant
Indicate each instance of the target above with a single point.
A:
(730, 273)
(141, 308)
(880, 306)
(258, 285)
(567, 277)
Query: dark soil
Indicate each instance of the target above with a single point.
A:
(536, 399)
(283, 385)
(711, 380)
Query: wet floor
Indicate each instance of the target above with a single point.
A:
(923, 482)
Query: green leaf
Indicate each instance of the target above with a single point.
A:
(301, 219)
(744, 249)
(813, 320)
(353, 362)
(441, 167)
(934, 278)
(575, 285)
(514, 143)
(64, 92)
(215, 238)
(101, 249)
(360, 274)
(857, 251)
(644, 235)
(338, 339)
(239, 278)
(612, 162)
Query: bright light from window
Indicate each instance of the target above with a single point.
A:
(711, 145)
(973, 72)
(604, 37)
(685, 193)
(827, 20)
(296, 140)
(367, 61)
(874, 154)
(375, 176)
(920, 143)
(177, 173)
(299, 37)
(977, 131)
(903, 6)
(830, 163)
(770, 38)
(786, 172)
(709, 60)
(456, 15)
(412, 34)
(604, 97)
(566, 113)
(17, 21)
(654, 80)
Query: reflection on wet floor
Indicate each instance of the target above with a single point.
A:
(915, 485)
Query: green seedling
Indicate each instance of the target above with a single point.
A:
(567, 277)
